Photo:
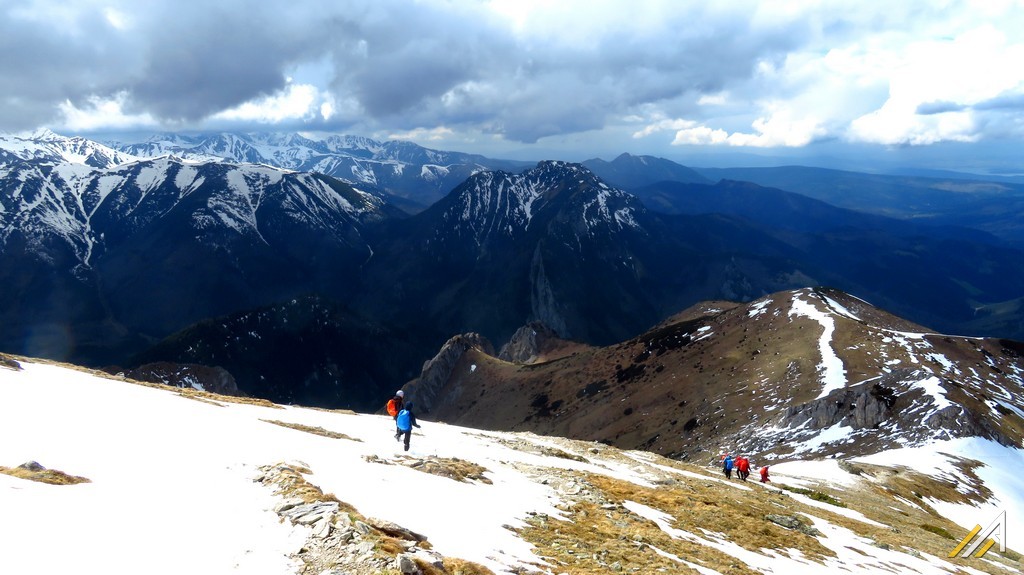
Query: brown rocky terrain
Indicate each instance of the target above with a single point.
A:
(807, 371)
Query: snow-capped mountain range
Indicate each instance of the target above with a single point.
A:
(405, 170)
(49, 147)
(96, 246)
(105, 262)
(94, 209)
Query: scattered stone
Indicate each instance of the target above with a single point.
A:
(341, 542)
(322, 529)
(395, 530)
(787, 521)
(286, 505)
(31, 466)
(407, 565)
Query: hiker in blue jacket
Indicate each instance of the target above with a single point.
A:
(727, 467)
(406, 420)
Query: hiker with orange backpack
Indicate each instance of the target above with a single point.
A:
(395, 407)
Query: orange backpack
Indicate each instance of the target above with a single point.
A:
(392, 407)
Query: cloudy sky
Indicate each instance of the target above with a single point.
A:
(527, 78)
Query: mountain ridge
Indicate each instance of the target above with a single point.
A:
(794, 373)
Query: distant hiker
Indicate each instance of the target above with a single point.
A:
(727, 466)
(395, 405)
(764, 475)
(405, 421)
(742, 467)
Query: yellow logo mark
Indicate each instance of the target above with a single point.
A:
(984, 542)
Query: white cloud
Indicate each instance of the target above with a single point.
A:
(327, 110)
(295, 102)
(713, 99)
(437, 134)
(662, 125)
(974, 67)
(102, 114)
(116, 18)
(700, 135)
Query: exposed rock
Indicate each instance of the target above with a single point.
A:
(395, 530)
(187, 375)
(407, 564)
(867, 406)
(437, 370)
(339, 544)
(791, 522)
(543, 303)
(32, 466)
(527, 343)
(860, 407)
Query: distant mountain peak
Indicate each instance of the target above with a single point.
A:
(502, 204)
(44, 145)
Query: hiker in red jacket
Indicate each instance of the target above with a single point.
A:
(764, 474)
(742, 467)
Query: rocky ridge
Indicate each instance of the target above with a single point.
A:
(791, 374)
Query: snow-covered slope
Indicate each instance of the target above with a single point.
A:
(187, 483)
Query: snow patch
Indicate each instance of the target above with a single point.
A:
(833, 374)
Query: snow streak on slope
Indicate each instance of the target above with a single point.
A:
(833, 376)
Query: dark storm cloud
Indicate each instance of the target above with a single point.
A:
(392, 66)
(426, 68)
(47, 61)
(202, 62)
(406, 64)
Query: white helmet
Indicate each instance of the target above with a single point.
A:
(400, 393)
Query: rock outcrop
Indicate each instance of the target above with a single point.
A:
(340, 541)
(187, 375)
(527, 343)
(436, 371)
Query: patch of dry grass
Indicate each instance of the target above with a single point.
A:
(291, 483)
(602, 536)
(309, 429)
(9, 362)
(554, 452)
(42, 475)
(209, 397)
(606, 536)
(450, 467)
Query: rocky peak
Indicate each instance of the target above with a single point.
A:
(527, 343)
(436, 371)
